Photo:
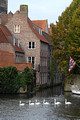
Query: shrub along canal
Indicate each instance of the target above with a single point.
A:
(10, 109)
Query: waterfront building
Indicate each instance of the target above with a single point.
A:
(34, 40)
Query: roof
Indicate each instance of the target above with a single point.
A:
(40, 23)
(7, 59)
(4, 38)
(19, 66)
(47, 36)
(41, 37)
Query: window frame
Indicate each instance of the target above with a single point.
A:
(31, 46)
(31, 59)
(16, 28)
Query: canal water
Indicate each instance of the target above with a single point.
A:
(11, 110)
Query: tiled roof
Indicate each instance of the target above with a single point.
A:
(4, 38)
(41, 37)
(19, 66)
(47, 36)
(40, 23)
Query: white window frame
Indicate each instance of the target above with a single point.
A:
(31, 60)
(16, 28)
(40, 31)
(32, 45)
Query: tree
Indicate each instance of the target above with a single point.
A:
(66, 36)
(29, 78)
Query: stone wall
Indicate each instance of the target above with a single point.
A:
(73, 80)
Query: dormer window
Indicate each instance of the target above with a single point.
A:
(40, 31)
(17, 28)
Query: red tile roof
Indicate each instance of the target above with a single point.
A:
(40, 23)
(41, 37)
(4, 38)
(19, 66)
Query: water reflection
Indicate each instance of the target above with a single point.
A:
(11, 110)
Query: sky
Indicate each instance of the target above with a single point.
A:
(41, 9)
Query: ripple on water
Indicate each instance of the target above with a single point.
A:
(10, 109)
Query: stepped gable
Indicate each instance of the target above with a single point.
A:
(6, 37)
(5, 17)
(41, 37)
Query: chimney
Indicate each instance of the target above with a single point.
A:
(24, 9)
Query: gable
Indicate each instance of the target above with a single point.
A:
(42, 24)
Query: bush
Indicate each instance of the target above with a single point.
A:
(11, 80)
(8, 81)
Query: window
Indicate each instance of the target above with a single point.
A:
(40, 31)
(31, 60)
(17, 28)
(31, 45)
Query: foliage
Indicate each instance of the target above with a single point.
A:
(7, 79)
(29, 77)
(52, 69)
(66, 37)
(11, 80)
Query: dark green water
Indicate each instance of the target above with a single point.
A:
(11, 110)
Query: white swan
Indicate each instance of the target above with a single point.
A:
(30, 103)
(45, 103)
(37, 103)
(67, 103)
(21, 104)
(56, 103)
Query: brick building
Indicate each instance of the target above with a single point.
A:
(11, 54)
(35, 41)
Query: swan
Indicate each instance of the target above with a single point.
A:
(37, 103)
(45, 103)
(56, 103)
(21, 104)
(30, 103)
(67, 103)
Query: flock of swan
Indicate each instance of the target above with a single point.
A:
(44, 102)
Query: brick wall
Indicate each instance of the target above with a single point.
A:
(7, 57)
(25, 36)
(6, 47)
